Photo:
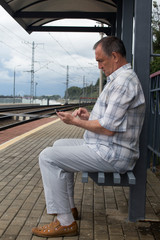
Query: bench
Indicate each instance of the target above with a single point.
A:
(135, 180)
(113, 178)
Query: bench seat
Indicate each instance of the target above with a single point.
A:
(110, 179)
(134, 180)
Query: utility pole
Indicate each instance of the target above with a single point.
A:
(83, 86)
(67, 82)
(91, 89)
(32, 75)
(36, 89)
(86, 89)
(32, 70)
(14, 83)
(14, 86)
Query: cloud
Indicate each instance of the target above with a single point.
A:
(52, 53)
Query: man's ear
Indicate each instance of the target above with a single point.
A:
(115, 56)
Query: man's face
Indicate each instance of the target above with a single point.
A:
(106, 63)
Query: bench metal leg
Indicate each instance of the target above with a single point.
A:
(137, 199)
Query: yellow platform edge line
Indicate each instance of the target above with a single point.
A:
(16, 139)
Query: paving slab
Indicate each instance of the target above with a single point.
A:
(103, 211)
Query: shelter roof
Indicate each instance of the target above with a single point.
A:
(33, 15)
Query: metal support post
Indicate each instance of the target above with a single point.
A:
(127, 27)
(119, 19)
(142, 68)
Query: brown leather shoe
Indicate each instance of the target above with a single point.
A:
(75, 213)
(54, 229)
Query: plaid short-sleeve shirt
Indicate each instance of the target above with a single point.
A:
(119, 108)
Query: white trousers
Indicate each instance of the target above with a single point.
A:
(58, 164)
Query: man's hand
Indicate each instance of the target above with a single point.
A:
(82, 113)
(83, 122)
(66, 117)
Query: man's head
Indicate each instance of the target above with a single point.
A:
(110, 54)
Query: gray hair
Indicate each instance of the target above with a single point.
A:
(111, 44)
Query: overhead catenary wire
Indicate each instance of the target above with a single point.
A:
(84, 68)
(11, 34)
(74, 59)
(46, 61)
(72, 68)
(12, 37)
(15, 49)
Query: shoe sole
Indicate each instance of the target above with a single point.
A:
(59, 235)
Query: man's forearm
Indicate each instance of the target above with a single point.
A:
(93, 126)
(90, 125)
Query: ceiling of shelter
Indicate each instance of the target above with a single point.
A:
(33, 15)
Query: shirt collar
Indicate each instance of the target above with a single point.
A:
(113, 75)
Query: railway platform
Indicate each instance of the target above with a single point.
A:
(102, 210)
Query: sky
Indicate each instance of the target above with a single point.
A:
(53, 52)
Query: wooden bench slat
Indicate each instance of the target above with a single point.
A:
(116, 178)
(131, 178)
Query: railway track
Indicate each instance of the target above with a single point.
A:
(11, 116)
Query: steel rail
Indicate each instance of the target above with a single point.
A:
(35, 115)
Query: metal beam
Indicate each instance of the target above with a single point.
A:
(70, 14)
(10, 11)
(106, 30)
(6, 7)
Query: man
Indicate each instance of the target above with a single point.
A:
(110, 143)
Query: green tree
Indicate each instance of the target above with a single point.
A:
(55, 97)
(104, 79)
(74, 93)
(155, 62)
